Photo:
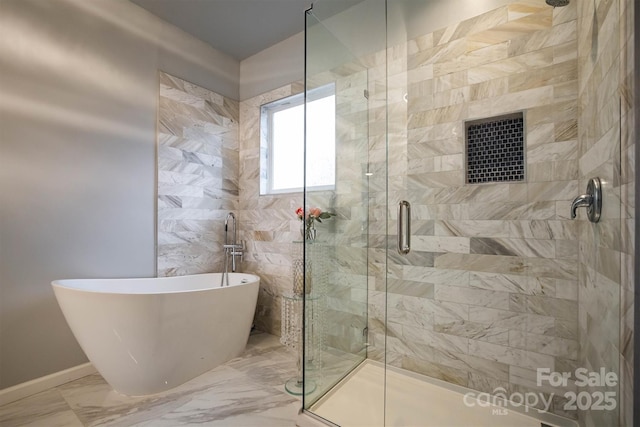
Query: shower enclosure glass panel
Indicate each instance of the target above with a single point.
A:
(487, 119)
(337, 274)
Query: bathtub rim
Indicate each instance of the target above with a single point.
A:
(142, 285)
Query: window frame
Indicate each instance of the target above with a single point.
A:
(267, 139)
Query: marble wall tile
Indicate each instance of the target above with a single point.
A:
(197, 175)
(601, 289)
(511, 355)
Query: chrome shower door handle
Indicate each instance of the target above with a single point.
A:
(404, 227)
(592, 201)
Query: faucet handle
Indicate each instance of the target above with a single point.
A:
(592, 201)
(582, 201)
(242, 248)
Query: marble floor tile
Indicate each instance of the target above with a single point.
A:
(246, 391)
(46, 409)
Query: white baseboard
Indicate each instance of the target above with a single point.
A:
(37, 385)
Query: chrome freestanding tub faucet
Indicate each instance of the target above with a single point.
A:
(231, 249)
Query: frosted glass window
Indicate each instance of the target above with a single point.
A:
(282, 147)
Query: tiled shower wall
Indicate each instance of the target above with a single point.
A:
(197, 176)
(489, 292)
(606, 149)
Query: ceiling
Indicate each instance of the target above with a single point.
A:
(239, 28)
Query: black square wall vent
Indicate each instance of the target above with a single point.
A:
(495, 149)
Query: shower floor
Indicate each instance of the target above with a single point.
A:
(414, 400)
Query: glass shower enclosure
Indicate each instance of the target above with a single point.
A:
(453, 269)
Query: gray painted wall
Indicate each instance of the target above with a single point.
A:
(78, 96)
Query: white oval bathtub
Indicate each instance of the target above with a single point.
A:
(145, 336)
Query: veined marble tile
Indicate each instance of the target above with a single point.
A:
(521, 9)
(435, 116)
(511, 102)
(538, 135)
(490, 193)
(411, 335)
(566, 52)
(471, 228)
(553, 346)
(510, 66)
(420, 43)
(515, 27)
(540, 210)
(555, 151)
(422, 320)
(567, 130)
(180, 96)
(440, 310)
(196, 171)
(472, 364)
(476, 24)
(510, 355)
(489, 88)
(545, 306)
(512, 320)
(440, 244)
(513, 247)
(451, 81)
(435, 54)
(501, 282)
(176, 83)
(47, 408)
(556, 111)
(428, 150)
(486, 263)
(472, 296)
(554, 36)
(440, 132)
(410, 288)
(472, 59)
(435, 275)
(434, 370)
(434, 180)
(473, 330)
(552, 75)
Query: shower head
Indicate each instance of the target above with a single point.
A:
(557, 3)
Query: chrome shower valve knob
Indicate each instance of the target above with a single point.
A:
(592, 200)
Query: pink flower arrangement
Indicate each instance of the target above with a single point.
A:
(314, 214)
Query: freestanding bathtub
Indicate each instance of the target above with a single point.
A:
(145, 336)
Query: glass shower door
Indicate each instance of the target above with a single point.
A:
(339, 51)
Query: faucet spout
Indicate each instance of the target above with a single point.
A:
(232, 217)
(583, 201)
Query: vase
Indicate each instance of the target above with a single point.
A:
(308, 230)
